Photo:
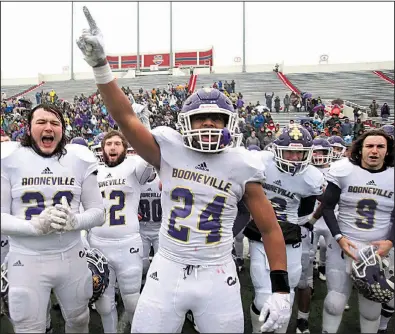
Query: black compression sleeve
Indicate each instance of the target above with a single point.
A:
(329, 201)
(306, 206)
(392, 232)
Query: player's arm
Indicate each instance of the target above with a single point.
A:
(92, 202)
(306, 208)
(117, 103)
(329, 201)
(265, 219)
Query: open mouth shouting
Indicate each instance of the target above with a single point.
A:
(47, 141)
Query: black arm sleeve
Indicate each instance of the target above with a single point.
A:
(392, 232)
(329, 201)
(306, 206)
(242, 219)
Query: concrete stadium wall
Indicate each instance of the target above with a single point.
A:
(387, 65)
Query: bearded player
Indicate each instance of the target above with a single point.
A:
(151, 218)
(363, 187)
(203, 178)
(291, 185)
(43, 183)
(120, 181)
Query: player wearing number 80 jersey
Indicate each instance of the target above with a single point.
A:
(151, 213)
(363, 186)
(36, 176)
(120, 181)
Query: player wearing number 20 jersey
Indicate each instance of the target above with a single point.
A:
(42, 177)
(151, 213)
(120, 181)
(363, 187)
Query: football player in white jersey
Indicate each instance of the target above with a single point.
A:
(322, 153)
(151, 217)
(203, 178)
(43, 182)
(291, 185)
(120, 181)
(363, 186)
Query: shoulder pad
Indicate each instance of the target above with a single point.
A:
(9, 147)
(164, 134)
(82, 152)
(266, 157)
(338, 170)
(315, 180)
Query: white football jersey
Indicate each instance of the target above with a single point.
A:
(120, 187)
(200, 192)
(286, 191)
(321, 222)
(150, 203)
(38, 182)
(366, 200)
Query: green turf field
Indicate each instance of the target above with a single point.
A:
(350, 319)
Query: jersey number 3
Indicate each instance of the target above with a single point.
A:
(209, 219)
(366, 209)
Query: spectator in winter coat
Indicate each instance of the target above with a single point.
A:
(373, 109)
(358, 126)
(287, 102)
(346, 128)
(385, 111)
(269, 138)
(258, 121)
(252, 140)
(277, 104)
(269, 99)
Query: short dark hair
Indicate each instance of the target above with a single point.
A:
(111, 134)
(27, 140)
(356, 148)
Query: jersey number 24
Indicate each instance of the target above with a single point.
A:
(209, 219)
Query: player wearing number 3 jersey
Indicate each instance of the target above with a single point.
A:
(363, 186)
(43, 183)
(203, 178)
(118, 239)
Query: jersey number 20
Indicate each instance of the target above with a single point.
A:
(209, 219)
(39, 200)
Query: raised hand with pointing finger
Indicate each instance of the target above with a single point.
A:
(91, 42)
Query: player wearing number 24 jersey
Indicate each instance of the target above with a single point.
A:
(363, 187)
(203, 178)
(120, 181)
(43, 183)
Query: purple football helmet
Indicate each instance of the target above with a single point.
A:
(79, 141)
(338, 147)
(96, 147)
(294, 139)
(205, 102)
(324, 158)
(98, 265)
(372, 277)
(254, 148)
(388, 129)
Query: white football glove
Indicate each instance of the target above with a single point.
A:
(63, 219)
(278, 309)
(91, 42)
(42, 222)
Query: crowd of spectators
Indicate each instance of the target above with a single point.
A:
(87, 116)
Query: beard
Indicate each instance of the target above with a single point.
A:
(115, 163)
(37, 149)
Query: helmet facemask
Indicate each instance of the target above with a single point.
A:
(338, 154)
(289, 166)
(217, 140)
(322, 159)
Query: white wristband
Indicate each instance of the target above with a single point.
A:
(103, 74)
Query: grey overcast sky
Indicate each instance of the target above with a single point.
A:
(36, 37)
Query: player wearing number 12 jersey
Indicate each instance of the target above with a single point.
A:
(151, 217)
(120, 181)
(43, 183)
(363, 187)
(291, 185)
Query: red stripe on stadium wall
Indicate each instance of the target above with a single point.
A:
(384, 77)
(192, 83)
(287, 83)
